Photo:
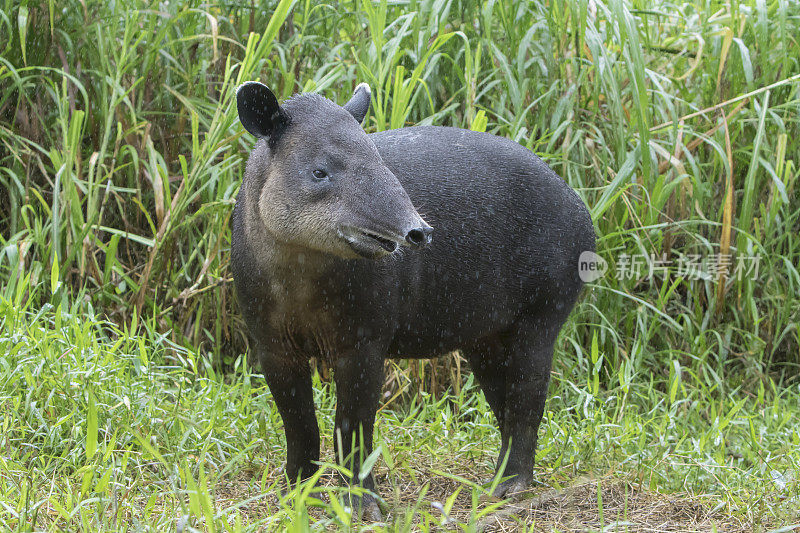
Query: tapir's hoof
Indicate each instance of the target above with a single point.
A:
(513, 488)
(372, 511)
(365, 508)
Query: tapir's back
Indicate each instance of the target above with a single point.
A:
(507, 235)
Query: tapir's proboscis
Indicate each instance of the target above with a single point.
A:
(408, 243)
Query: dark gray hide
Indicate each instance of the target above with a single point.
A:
(321, 273)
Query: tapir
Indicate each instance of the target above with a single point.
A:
(408, 243)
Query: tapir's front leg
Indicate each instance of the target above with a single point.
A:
(289, 380)
(359, 378)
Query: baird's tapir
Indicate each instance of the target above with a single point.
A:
(409, 243)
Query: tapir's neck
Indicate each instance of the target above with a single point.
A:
(301, 261)
(283, 260)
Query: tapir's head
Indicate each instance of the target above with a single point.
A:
(325, 186)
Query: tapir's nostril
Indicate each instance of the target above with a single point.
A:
(419, 236)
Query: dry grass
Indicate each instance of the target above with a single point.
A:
(621, 506)
(588, 505)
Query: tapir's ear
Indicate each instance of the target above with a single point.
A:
(259, 111)
(359, 103)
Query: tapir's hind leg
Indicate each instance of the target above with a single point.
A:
(529, 350)
(487, 359)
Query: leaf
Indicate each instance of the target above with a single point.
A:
(54, 275)
(727, 40)
(103, 482)
(480, 121)
(369, 462)
(612, 190)
(91, 428)
(130, 236)
(22, 23)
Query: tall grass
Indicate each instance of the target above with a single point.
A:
(677, 122)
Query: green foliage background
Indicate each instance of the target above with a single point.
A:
(122, 155)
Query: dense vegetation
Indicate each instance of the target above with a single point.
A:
(124, 393)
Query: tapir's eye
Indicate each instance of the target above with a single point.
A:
(320, 175)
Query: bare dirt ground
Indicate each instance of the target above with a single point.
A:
(612, 506)
(587, 505)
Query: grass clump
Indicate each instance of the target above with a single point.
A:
(109, 428)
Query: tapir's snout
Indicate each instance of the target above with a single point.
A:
(419, 237)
